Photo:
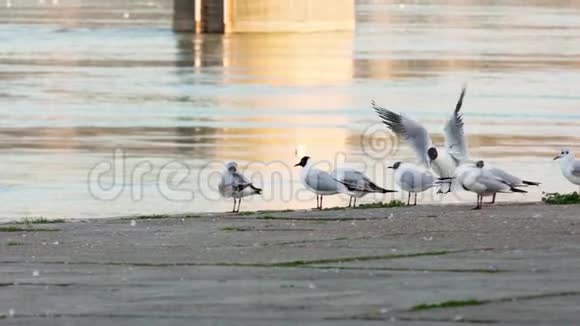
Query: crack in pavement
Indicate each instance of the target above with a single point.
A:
(442, 305)
(294, 263)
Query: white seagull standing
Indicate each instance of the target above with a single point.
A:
(357, 184)
(413, 179)
(319, 182)
(444, 162)
(235, 185)
(569, 165)
(480, 180)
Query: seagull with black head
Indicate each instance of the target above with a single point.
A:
(318, 181)
(414, 179)
(443, 161)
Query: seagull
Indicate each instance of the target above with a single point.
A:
(480, 180)
(357, 184)
(236, 186)
(444, 162)
(569, 165)
(319, 182)
(511, 179)
(413, 179)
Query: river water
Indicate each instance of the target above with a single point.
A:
(104, 111)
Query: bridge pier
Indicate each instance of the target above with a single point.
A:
(184, 16)
(247, 16)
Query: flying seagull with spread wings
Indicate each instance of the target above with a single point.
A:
(443, 161)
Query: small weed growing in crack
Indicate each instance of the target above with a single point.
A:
(448, 304)
(234, 229)
(14, 243)
(17, 229)
(266, 217)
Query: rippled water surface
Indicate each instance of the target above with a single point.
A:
(83, 79)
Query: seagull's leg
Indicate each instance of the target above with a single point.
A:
(354, 203)
(477, 205)
(239, 203)
(317, 203)
(349, 201)
(234, 209)
(409, 200)
(493, 199)
(320, 201)
(415, 204)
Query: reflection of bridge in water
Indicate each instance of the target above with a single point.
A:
(219, 16)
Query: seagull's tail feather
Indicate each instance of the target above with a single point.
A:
(444, 180)
(241, 187)
(381, 190)
(374, 188)
(530, 183)
(257, 191)
(518, 190)
(347, 185)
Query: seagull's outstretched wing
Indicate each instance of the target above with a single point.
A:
(412, 131)
(455, 141)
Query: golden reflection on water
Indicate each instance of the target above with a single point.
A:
(290, 59)
(279, 60)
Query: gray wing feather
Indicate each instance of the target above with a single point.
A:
(352, 179)
(356, 180)
(576, 168)
(417, 180)
(240, 182)
(322, 181)
(493, 183)
(455, 141)
(413, 132)
(509, 178)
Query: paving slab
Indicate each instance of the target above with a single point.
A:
(507, 264)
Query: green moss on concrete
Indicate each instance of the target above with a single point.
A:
(14, 243)
(29, 229)
(391, 204)
(39, 220)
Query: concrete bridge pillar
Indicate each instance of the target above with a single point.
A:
(212, 16)
(184, 16)
(243, 16)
